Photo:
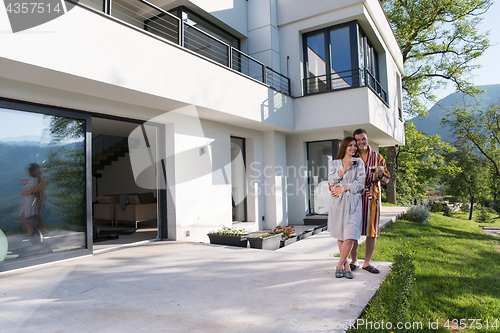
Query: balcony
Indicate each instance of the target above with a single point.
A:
(146, 16)
(353, 78)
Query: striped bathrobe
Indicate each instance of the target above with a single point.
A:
(371, 197)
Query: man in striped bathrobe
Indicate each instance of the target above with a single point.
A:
(376, 173)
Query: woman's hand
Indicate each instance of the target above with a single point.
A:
(336, 190)
(346, 167)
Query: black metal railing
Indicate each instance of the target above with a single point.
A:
(375, 85)
(247, 65)
(352, 78)
(277, 81)
(208, 46)
(146, 16)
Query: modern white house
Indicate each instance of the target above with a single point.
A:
(206, 113)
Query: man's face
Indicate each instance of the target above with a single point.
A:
(362, 141)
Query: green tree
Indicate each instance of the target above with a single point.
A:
(477, 129)
(469, 182)
(420, 162)
(440, 41)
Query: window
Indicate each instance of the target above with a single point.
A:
(319, 156)
(238, 179)
(399, 97)
(340, 57)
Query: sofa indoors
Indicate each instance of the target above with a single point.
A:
(140, 207)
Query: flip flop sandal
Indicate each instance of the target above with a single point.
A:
(339, 273)
(353, 267)
(371, 269)
(348, 275)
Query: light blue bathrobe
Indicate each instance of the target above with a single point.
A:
(345, 213)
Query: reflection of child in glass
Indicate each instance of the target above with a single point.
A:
(29, 207)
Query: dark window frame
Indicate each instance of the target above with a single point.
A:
(356, 33)
(332, 141)
(244, 153)
(67, 113)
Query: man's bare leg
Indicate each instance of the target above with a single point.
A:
(354, 253)
(369, 248)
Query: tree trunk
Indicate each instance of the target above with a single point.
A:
(471, 207)
(391, 165)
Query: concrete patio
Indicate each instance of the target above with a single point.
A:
(190, 287)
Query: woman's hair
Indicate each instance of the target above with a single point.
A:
(343, 147)
(34, 170)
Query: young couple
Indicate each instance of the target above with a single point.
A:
(354, 181)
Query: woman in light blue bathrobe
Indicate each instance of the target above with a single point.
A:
(346, 182)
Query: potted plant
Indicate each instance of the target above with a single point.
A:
(229, 236)
(268, 241)
(287, 234)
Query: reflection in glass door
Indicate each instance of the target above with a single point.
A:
(319, 156)
(238, 179)
(42, 192)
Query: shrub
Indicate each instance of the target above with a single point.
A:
(496, 207)
(418, 213)
(392, 303)
(446, 210)
(483, 215)
(437, 207)
(465, 208)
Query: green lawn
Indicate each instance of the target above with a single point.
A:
(465, 216)
(387, 204)
(457, 269)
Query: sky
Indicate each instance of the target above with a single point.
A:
(490, 60)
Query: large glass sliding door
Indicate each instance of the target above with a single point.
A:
(319, 156)
(43, 210)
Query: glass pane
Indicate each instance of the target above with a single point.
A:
(316, 63)
(320, 155)
(238, 179)
(340, 53)
(361, 59)
(42, 187)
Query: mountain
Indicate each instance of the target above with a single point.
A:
(432, 123)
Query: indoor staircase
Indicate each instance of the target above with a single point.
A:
(109, 155)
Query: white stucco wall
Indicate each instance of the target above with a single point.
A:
(231, 12)
(200, 190)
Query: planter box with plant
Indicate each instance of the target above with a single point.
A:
(269, 241)
(288, 241)
(305, 234)
(229, 236)
(288, 235)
